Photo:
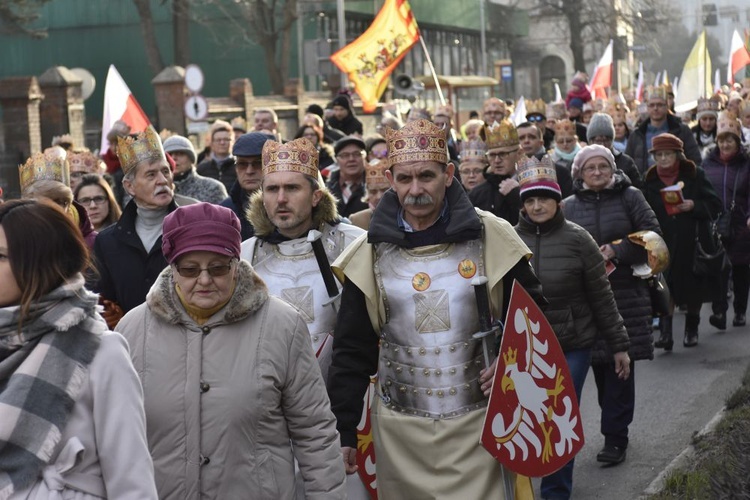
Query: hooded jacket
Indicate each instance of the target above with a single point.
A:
(637, 148)
(230, 404)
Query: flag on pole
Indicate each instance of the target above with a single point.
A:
(695, 81)
(739, 57)
(120, 104)
(639, 85)
(717, 81)
(558, 94)
(371, 58)
(519, 112)
(602, 76)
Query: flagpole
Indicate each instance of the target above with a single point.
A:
(432, 70)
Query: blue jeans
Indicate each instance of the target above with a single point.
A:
(560, 484)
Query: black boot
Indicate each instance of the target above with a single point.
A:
(665, 338)
(691, 330)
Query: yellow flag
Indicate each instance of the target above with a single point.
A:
(371, 58)
(695, 81)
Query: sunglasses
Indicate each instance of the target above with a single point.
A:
(195, 271)
(535, 118)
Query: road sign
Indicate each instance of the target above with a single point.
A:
(196, 108)
(194, 78)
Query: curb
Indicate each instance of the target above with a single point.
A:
(657, 485)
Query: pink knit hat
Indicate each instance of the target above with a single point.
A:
(201, 226)
(588, 152)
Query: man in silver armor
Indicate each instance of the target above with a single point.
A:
(408, 311)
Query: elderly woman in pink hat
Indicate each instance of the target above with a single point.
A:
(606, 204)
(233, 393)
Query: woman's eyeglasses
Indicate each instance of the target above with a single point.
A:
(98, 200)
(195, 271)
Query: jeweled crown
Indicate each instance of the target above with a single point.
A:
(500, 135)
(375, 174)
(298, 155)
(565, 128)
(419, 140)
(728, 122)
(145, 146)
(556, 111)
(50, 166)
(84, 162)
(532, 170)
(474, 150)
(707, 105)
(538, 107)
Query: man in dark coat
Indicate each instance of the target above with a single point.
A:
(248, 164)
(532, 144)
(219, 164)
(659, 122)
(347, 183)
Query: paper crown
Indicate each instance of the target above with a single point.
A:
(617, 111)
(50, 166)
(565, 128)
(534, 174)
(83, 162)
(375, 174)
(500, 135)
(298, 155)
(419, 140)
(62, 139)
(538, 107)
(728, 124)
(707, 106)
(474, 150)
(556, 111)
(659, 92)
(145, 146)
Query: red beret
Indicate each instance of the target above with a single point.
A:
(666, 142)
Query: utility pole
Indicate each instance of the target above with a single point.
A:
(341, 21)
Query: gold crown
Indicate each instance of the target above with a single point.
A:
(617, 111)
(49, 166)
(83, 162)
(531, 170)
(510, 356)
(474, 150)
(538, 107)
(298, 155)
(659, 92)
(556, 111)
(146, 146)
(500, 135)
(375, 174)
(62, 139)
(707, 105)
(419, 140)
(565, 128)
(728, 123)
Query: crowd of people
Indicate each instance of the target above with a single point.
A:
(183, 324)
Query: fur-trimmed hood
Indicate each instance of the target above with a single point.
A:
(249, 295)
(326, 211)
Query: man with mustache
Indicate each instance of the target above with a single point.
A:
(292, 201)
(408, 312)
(128, 254)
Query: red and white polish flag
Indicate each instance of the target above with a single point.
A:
(120, 104)
(739, 57)
(602, 76)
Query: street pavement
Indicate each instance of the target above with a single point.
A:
(677, 394)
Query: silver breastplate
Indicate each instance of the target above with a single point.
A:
(429, 362)
(292, 274)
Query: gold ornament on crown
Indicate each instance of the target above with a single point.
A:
(419, 140)
(707, 105)
(538, 107)
(556, 111)
(565, 128)
(474, 150)
(146, 146)
(659, 92)
(375, 174)
(728, 123)
(84, 162)
(532, 170)
(48, 166)
(298, 155)
(500, 135)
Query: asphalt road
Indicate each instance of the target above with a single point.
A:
(676, 395)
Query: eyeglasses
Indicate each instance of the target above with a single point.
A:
(349, 156)
(501, 155)
(471, 172)
(596, 168)
(244, 164)
(535, 118)
(98, 200)
(195, 271)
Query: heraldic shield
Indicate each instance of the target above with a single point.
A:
(533, 424)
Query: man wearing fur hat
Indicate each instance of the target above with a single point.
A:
(410, 276)
(187, 181)
(659, 121)
(128, 254)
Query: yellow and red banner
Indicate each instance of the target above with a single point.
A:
(370, 59)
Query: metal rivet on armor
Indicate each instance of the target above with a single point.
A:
(466, 368)
(411, 370)
(389, 383)
(385, 345)
(395, 349)
(315, 338)
(452, 348)
(402, 389)
(426, 372)
(426, 415)
(428, 392)
(414, 391)
(206, 329)
(478, 362)
(414, 412)
(437, 350)
(422, 351)
(453, 371)
(440, 394)
(408, 350)
(399, 369)
(388, 363)
(467, 387)
(438, 372)
(452, 391)
(466, 345)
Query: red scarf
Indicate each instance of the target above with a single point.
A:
(669, 176)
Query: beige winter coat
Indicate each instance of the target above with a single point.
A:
(229, 405)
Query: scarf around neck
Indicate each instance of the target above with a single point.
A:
(43, 370)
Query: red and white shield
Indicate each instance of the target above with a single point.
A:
(365, 445)
(533, 424)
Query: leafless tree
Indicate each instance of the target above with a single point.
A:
(18, 16)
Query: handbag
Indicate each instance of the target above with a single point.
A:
(707, 264)
(724, 221)
(660, 297)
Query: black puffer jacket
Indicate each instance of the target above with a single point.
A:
(610, 215)
(570, 266)
(487, 197)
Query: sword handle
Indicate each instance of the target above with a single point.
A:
(483, 302)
